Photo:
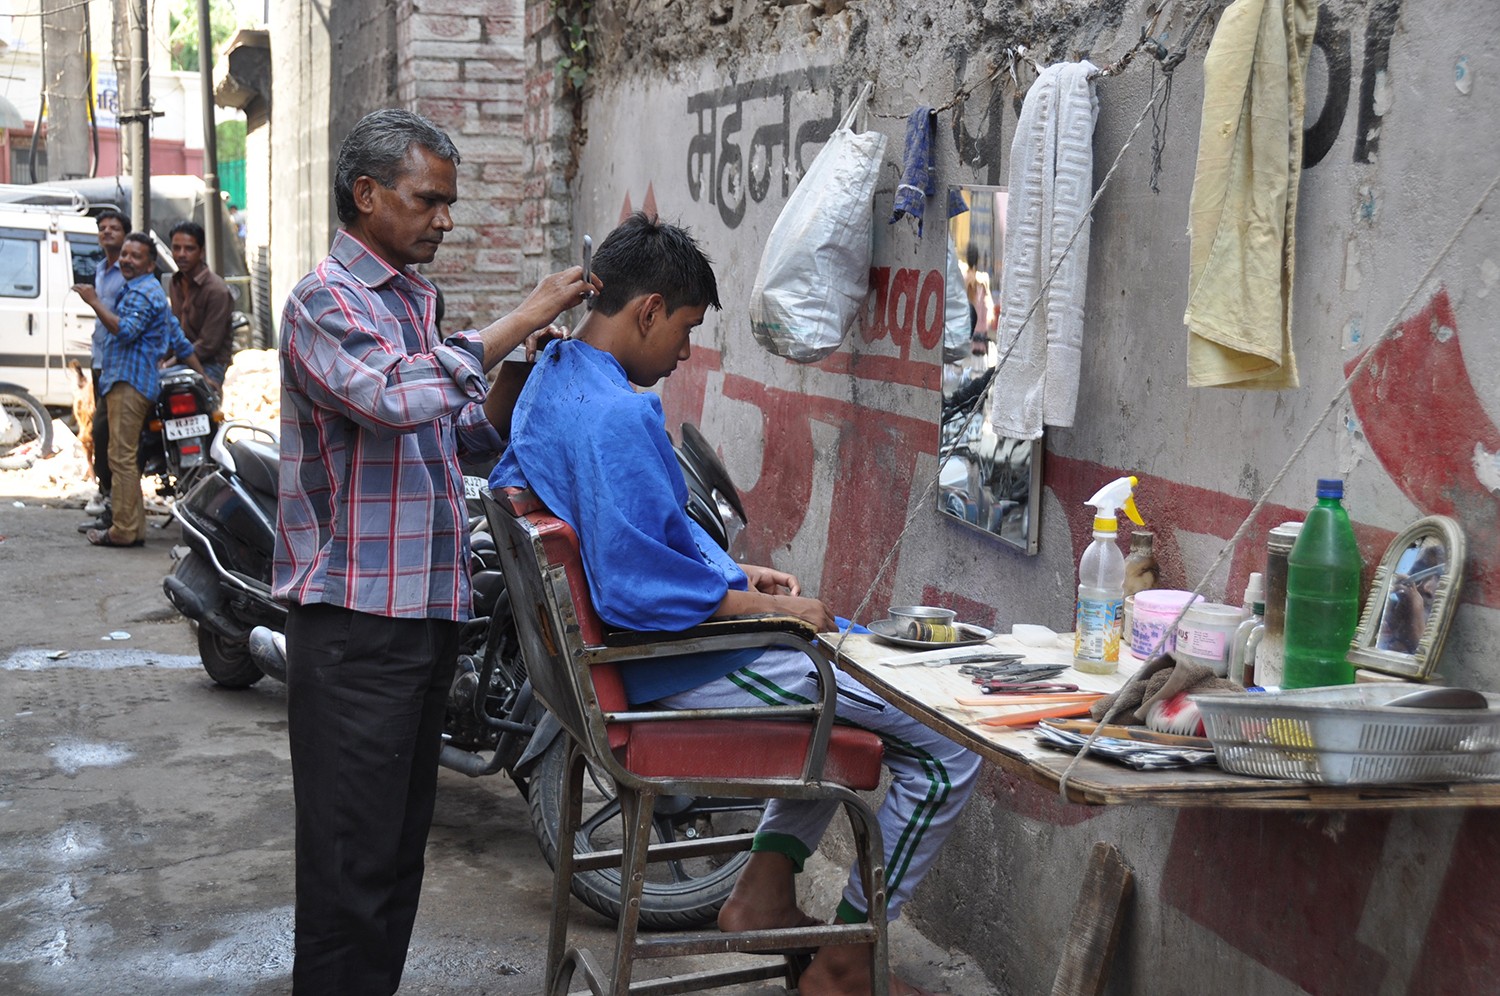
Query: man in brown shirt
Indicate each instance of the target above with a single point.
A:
(201, 302)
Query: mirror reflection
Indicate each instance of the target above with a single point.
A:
(1412, 599)
(1408, 606)
(987, 481)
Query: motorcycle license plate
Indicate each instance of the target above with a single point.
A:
(472, 486)
(186, 428)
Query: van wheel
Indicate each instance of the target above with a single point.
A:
(28, 413)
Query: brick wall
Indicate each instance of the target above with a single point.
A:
(549, 158)
(459, 64)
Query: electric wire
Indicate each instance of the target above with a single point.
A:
(921, 501)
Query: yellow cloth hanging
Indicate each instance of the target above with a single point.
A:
(1244, 203)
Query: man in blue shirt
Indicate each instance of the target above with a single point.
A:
(141, 330)
(597, 453)
(108, 283)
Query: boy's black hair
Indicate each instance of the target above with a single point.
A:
(646, 255)
(116, 215)
(191, 229)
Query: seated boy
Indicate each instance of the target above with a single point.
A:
(597, 453)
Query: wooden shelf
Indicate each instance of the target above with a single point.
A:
(930, 694)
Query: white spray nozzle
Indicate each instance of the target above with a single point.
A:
(1117, 494)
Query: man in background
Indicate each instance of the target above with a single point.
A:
(201, 302)
(108, 283)
(140, 330)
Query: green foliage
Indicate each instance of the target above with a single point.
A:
(182, 35)
(231, 139)
(573, 16)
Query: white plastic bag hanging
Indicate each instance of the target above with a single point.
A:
(815, 270)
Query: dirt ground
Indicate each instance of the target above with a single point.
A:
(146, 814)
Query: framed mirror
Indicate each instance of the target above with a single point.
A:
(990, 482)
(1412, 599)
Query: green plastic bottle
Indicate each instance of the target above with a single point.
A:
(1322, 595)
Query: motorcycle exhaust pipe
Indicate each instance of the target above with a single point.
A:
(465, 763)
(268, 651)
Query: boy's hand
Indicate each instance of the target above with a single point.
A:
(771, 581)
(808, 609)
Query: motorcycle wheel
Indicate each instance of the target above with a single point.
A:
(678, 895)
(35, 423)
(227, 662)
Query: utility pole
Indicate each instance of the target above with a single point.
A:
(65, 73)
(136, 114)
(213, 231)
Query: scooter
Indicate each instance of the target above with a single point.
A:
(222, 582)
(176, 438)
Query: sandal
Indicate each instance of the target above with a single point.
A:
(102, 537)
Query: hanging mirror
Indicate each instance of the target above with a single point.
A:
(990, 482)
(1412, 600)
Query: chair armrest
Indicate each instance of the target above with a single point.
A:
(731, 626)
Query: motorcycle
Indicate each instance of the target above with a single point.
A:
(493, 724)
(175, 440)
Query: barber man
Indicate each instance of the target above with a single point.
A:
(372, 545)
(201, 301)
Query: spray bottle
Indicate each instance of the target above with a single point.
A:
(1101, 582)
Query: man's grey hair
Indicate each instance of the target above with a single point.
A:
(377, 147)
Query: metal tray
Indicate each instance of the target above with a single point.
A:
(889, 631)
(1347, 736)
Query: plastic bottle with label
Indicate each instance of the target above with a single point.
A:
(1322, 595)
(1101, 582)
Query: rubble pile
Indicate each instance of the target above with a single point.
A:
(252, 393)
(252, 389)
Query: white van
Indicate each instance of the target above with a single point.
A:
(44, 251)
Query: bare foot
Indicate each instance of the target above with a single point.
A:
(845, 971)
(764, 897)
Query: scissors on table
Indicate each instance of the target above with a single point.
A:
(996, 686)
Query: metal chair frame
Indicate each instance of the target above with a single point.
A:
(553, 617)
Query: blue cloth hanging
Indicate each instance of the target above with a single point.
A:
(918, 176)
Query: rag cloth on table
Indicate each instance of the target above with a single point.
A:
(1244, 204)
(918, 175)
(1159, 679)
(1051, 184)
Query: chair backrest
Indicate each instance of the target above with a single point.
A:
(555, 618)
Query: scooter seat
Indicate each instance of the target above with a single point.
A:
(258, 463)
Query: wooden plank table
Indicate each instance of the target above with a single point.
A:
(930, 694)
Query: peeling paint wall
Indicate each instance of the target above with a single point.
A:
(710, 112)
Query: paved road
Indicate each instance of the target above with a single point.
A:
(146, 814)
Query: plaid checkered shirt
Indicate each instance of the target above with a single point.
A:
(375, 415)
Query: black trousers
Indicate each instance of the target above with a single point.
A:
(101, 439)
(365, 697)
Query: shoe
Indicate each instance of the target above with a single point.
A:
(102, 537)
(98, 505)
(103, 522)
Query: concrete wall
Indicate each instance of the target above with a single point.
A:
(701, 110)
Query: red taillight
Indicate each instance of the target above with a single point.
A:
(182, 404)
(191, 449)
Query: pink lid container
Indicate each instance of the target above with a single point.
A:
(1155, 611)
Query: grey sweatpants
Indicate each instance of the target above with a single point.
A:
(932, 776)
